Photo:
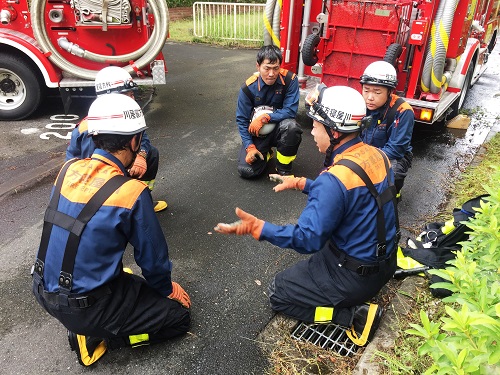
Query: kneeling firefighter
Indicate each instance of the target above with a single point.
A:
(349, 224)
(94, 212)
(391, 128)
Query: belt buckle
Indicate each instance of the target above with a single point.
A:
(82, 301)
(365, 270)
(362, 270)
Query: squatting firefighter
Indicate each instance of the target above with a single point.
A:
(393, 118)
(349, 224)
(113, 80)
(94, 212)
(265, 115)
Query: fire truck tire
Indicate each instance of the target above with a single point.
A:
(309, 49)
(457, 104)
(392, 53)
(20, 89)
(493, 42)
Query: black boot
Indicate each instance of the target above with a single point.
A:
(365, 323)
(88, 349)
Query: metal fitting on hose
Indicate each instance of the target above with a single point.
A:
(72, 48)
(5, 16)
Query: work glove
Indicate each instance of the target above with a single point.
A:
(178, 294)
(288, 182)
(139, 168)
(258, 123)
(248, 224)
(253, 154)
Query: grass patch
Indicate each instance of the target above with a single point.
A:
(403, 357)
(183, 31)
(471, 182)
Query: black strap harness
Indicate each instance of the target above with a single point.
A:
(248, 93)
(389, 194)
(391, 113)
(73, 225)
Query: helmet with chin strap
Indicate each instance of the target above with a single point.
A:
(113, 79)
(340, 108)
(115, 114)
(380, 73)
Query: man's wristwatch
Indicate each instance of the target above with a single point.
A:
(143, 153)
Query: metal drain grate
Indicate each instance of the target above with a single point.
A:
(327, 336)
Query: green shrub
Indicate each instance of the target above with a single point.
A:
(466, 340)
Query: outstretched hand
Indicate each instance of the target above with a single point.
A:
(248, 224)
(288, 182)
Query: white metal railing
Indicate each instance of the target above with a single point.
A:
(229, 21)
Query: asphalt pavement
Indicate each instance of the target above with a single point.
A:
(191, 122)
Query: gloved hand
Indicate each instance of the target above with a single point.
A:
(258, 123)
(288, 182)
(139, 168)
(253, 154)
(178, 294)
(248, 224)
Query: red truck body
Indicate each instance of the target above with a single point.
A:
(439, 47)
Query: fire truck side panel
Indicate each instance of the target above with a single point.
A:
(291, 20)
(460, 31)
(120, 37)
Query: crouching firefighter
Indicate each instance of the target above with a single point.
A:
(265, 115)
(94, 212)
(349, 224)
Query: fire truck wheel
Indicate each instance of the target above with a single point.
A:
(457, 104)
(309, 49)
(493, 42)
(392, 53)
(20, 88)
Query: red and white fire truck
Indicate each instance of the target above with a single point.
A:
(62, 44)
(439, 47)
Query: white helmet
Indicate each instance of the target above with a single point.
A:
(380, 73)
(115, 114)
(341, 108)
(267, 128)
(113, 79)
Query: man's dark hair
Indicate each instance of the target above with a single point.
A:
(271, 53)
(112, 142)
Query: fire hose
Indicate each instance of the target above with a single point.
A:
(141, 57)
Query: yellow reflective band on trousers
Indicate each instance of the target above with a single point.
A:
(323, 314)
(407, 263)
(447, 227)
(361, 340)
(285, 159)
(150, 184)
(138, 340)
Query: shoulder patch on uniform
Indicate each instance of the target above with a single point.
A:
(284, 72)
(83, 126)
(251, 79)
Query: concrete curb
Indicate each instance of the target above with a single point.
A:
(30, 178)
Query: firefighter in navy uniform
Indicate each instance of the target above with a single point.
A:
(116, 80)
(94, 212)
(349, 224)
(392, 127)
(265, 115)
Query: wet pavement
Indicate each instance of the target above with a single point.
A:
(191, 122)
